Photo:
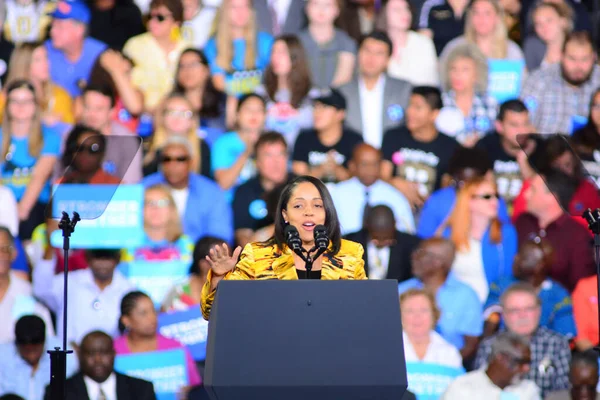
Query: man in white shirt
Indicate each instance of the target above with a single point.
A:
(503, 378)
(97, 378)
(376, 101)
(94, 295)
(366, 188)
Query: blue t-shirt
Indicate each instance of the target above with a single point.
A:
(74, 75)
(239, 80)
(225, 152)
(17, 167)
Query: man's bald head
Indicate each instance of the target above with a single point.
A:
(366, 163)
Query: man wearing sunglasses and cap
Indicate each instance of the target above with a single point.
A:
(71, 54)
(95, 293)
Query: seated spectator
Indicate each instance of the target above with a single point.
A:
(201, 204)
(198, 17)
(422, 343)
(186, 294)
(461, 322)
(232, 159)
(583, 376)
(443, 21)
(485, 28)
(29, 152)
(531, 265)
(585, 310)
(163, 239)
(82, 160)
(376, 101)
(238, 53)
(71, 54)
(550, 355)
(286, 88)
(251, 217)
(485, 246)
(193, 80)
(508, 364)
(555, 152)
(25, 368)
(504, 150)
(586, 141)
(552, 22)
(15, 293)
(279, 17)
(549, 92)
(115, 21)
(29, 61)
(547, 198)
(417, 155)
(366, 188)
(387, 251)
(466, 164)
(331, 52)
(175, 117)
(94, 293)
(469, 111)
(324, 152)
(25, 21)
(155, 53)
(97, 378)
(138, 325)
(582, 18)
(413, 55)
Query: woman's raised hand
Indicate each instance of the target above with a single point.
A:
(220, 261)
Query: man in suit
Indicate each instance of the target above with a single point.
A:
(97, 378)
(376, 101)
(387, 250)
(280, 16)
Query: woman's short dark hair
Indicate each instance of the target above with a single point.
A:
(71, 146)
(331, 219)
(174, 6)
(201, 250)
(128, 303)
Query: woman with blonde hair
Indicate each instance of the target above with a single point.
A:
(29, 61)
(238, 53)
(175, 117)
(164, 238)
(485, 247)
(467, 104)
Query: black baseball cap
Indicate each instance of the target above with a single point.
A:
(331, 97)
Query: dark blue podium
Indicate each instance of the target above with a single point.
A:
(307, 339)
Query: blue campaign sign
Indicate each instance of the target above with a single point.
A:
(155, 278)
(111, 215)
(505, 78)
(188, 327)
(429, 381)
(165, 369)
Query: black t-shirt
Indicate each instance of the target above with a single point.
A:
(152, 167)
(114, 27)
(6, 49)
(506, 169)
(444, 25)
(309, 149)
(420, 162)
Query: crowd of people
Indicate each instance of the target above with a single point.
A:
(460, 142)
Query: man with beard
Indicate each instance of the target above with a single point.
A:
(550, 352)
(558, 96)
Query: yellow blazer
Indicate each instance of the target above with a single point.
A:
(263, 262)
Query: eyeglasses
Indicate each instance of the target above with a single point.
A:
(187, 114)
(92, 149)
(487, 196)
(6, 249)
(21, 102)
(537, 237)
(180, 159)
(159, 203)
(160, 17)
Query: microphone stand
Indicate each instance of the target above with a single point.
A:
(593, 220)
(58, 356)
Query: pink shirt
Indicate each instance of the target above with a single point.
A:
(164, 343)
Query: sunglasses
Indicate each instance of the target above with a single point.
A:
(487, 196)
(180, 159)
(159, 17)
(92, 149)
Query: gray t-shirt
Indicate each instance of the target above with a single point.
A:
(323, 59)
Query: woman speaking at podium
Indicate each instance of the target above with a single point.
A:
(305, 203)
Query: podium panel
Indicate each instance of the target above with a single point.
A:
(306, 339)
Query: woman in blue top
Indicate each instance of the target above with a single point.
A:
(238, 53)
(29, 153)
(485, 247)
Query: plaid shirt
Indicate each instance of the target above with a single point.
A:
(550, 358)
(552, 102)
(481, 117)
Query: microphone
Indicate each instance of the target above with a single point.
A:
(321, 238)
(292, 238)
